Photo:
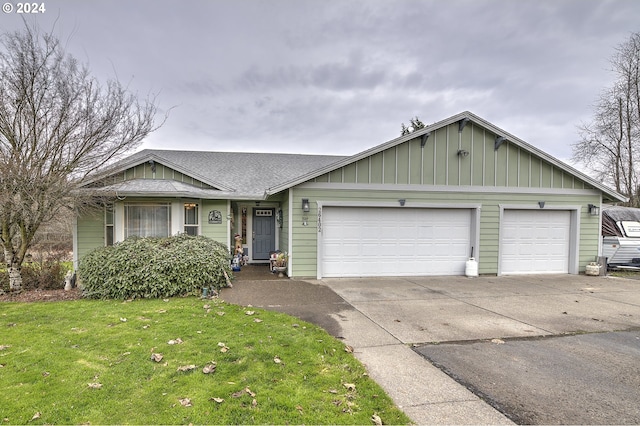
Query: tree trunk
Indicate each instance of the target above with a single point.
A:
(15, 278)
(14, 269)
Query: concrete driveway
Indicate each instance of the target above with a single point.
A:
(392, 314)
(437, 309)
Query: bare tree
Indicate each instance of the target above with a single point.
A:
(610, 143)
(57, 125)
(414, 124)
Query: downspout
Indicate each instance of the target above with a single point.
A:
(229, 225)
(290, 230)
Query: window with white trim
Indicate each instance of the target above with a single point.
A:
(191, 218)
(108, 225)
(147, 220)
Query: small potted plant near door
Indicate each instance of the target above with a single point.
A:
(280, 263)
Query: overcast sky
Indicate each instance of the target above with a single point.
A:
(339, 77)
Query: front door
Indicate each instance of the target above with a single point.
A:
(264, 233)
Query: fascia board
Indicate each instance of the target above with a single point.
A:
(554, 161)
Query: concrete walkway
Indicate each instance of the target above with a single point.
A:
(381, 318)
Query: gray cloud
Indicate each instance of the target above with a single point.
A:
(339, 76)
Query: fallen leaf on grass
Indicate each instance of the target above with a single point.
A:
(206, 307)
(175, 342)
(3, 347)
(45, 374)
(36, 416)
(348, 408)
(299, 408)
(223, 348)
(209, 368)
(123, 320)
(349, 386)
(376, 420)
(185, 402)
(348, 349)
(156, 357)
(333, 391)
(257, 320)
(218, 400)
(94, 385)
(242, 392)
(277, 360)
(254, 403)
(249, 312)
(187, 367)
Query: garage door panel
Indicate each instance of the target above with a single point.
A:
(395, 241)
(535, 241)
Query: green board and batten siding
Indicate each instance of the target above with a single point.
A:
(219, 231)
(438, 163)
(90, 233)
(145, 171)
(436, 174)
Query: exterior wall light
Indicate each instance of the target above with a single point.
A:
(402, 201)
(305, 205)
(594, 210)
(541, 204)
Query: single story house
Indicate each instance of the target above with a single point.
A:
(420, 204)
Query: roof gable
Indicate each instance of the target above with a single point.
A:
(463, 150)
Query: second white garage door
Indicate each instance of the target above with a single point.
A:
(362, 241)
(535, 241)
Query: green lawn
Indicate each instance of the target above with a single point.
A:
(89, 361)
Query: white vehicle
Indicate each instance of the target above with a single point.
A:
(621, 237)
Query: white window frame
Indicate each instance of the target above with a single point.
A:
(195, 225)
(109, 228)
(155, 205)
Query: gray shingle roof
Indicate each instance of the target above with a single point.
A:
(235, 174)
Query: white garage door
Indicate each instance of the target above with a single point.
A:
(535, 241)
(360, 242)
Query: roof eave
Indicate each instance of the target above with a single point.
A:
(175, 194)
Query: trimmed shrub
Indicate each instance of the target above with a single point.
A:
(154, 268)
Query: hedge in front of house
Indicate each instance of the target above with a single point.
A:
(154, 268)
